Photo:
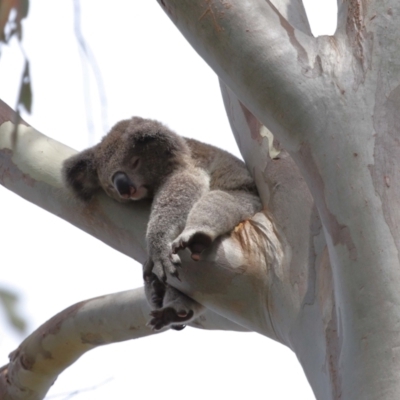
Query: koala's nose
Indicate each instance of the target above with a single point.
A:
(123, 185)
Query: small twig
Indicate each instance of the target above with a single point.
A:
(74, 393)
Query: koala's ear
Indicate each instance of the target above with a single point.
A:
(80, 174)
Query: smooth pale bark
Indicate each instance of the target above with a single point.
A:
(333, 103)
(40, 358)
(302, 297)
(58, 343)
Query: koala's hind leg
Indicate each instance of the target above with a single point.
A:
(178, 310)
(216, 213)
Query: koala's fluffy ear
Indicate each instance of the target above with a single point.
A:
(80, 174)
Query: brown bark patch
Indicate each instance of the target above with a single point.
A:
(245, 237)
(253, 123)
(315, 231)
(333, 350)
(339, 233)
(214, 16)
(311, 71)
(53, 325)
(95, 339)
(302, 55)
(255, 127)
(325, 283)
(26, 361)
(9, 172)
(385, 171)
(256, 248)
(361, 41)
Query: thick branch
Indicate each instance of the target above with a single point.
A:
(58, 343)
(308, 301)
(30, 165)
(257, 53)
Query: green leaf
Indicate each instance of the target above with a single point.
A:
(25, 94)
(9, 301)
(6, 6)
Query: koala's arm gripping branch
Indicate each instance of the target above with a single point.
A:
(184, 188)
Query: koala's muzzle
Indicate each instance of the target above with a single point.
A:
(123, 185)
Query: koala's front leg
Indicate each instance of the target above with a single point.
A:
(215, 214)
(170, 209)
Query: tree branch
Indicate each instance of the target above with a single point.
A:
(310, 295)
(30, 166)
(59, 342)
(258, 54)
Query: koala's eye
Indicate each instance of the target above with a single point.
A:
(135, 163)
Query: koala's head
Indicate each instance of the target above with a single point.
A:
(130, 163)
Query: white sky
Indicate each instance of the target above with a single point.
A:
(148, 70)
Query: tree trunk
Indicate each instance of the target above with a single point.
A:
(332, 102)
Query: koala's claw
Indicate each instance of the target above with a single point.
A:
(197, 242)
(161, 262)
(161, 267)
(169, 316)
(177, 245)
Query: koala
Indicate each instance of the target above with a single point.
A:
(198, 193)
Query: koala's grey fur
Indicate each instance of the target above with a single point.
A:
(198, 193)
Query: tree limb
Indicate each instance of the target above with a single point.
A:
(30, 166)
(258, 54)
(59, 342)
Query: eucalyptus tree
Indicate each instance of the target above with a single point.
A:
(317, 122)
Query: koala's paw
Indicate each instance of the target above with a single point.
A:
(195, 241)
(161, 266)
(155, 291)
(169, 317)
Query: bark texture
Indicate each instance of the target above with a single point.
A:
(332, 102)
(59, 342)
